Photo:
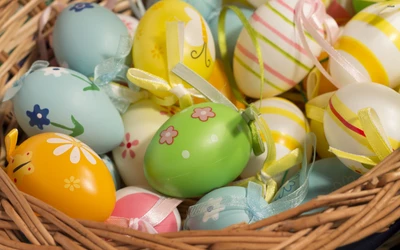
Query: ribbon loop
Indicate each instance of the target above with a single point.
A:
(11, 92)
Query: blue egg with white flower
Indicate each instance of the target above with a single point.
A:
(227, 206)
(85, 34)
(113, 171)
(55, 99)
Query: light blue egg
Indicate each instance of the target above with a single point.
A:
(233, 27)
(113, 171)
(60, 100)
(327, 176)
(86, 34)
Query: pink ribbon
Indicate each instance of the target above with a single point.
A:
(311, 22)
(147, 223)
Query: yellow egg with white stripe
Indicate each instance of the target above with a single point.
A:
(347, 129)
(371, 43)
(288, 126)
(286, 61)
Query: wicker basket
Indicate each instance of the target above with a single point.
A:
(367, 206)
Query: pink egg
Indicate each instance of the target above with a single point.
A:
(134, 202)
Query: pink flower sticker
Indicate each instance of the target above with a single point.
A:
(128, 146)
(203, 113)
(168, 135)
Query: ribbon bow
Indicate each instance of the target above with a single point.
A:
(147, 223)
(11, 92)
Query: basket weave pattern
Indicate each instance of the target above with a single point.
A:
(366, 206)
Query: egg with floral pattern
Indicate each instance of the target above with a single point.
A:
(63, 172)
(201, 148)
(55, 99)
(85, 34)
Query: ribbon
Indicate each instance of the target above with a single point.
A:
(314, 19)
(147, 223)
(11, 92)
(114, 69)
(167, 93)
(254, 203)
(137, 8)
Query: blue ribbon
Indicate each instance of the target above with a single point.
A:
(11, 92)
(254, 204)
(114, 69)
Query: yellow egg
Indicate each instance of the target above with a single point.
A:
(149, 46)
(63, 172)
(219, 80)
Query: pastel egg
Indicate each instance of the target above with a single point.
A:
(61, 100)
(371, 46)
(130, 22)
(233, 27)
(216, 215)
(342, 125)
(64, 173)
(113, 171)
(81, 42)
(203, 147)
(288, 126)
(359, 5)
(139, 203)
(149, 47)
(286, 62)
(141, 122)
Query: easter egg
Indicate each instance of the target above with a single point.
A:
(343, 128)
(130, 22)
(149, 46)
(233, 27)
(286, 62)
(113, 171)
(215, 214)
(64, 173)
(141, 122)
(220, 81)
(371, 46)
(327, 176)
(288, 127)
(141, 204)
(85, 34)
(359, 5)
(203, 147)
(61, 100)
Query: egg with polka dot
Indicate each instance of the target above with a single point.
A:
(201, 148)
(63, 172)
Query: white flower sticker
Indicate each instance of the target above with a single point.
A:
(76, 146)
(213, 209)
(55, 71)
(71, 183)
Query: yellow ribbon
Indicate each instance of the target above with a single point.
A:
(167, 93)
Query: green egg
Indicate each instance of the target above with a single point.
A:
(203, 147)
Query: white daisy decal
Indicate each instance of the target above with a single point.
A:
(76, 147)
(213, 209)
(55, 71)
(71, 183)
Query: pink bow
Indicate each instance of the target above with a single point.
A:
(133, 223)
(316, 18)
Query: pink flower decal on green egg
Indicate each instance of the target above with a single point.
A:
(203, 113)
(168, 135)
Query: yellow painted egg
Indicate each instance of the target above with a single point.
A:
(219, 80)
(64, 173)
(149, 46)
(371, 43)
(289, 127)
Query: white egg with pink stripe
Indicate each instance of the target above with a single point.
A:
(286, 62)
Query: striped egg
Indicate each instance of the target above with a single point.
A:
(371, 43)
(286, 62)
(289, 127)
(343, 129)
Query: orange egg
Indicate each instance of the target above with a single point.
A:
(219, 80)
(325, 85)
(63, 172)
